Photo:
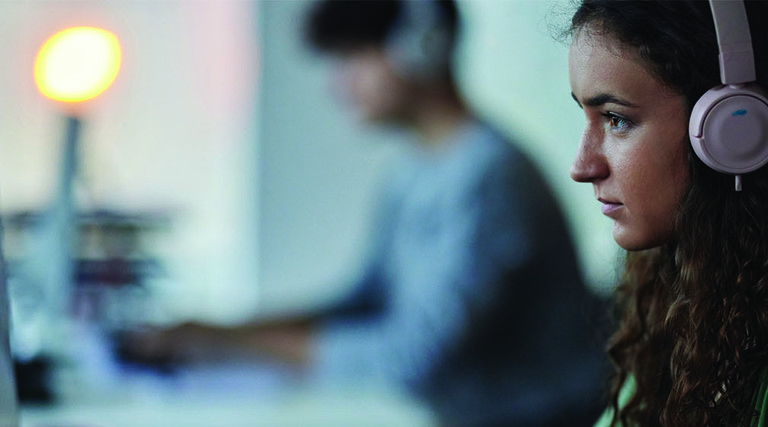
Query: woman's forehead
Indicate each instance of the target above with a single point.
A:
(600, 64)
(597, 37)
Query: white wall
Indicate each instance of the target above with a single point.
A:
(174, 134)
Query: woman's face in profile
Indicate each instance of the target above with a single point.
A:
(634, 147)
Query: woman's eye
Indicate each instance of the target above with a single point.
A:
(617, 123)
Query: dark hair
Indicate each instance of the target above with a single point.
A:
(693, 334)
(335, 25)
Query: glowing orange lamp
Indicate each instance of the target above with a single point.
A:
(77, 64)
(72, 67)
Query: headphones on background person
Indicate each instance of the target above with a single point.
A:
(728, 127)
(419, 43)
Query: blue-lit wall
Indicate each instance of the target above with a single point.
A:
(318, 167)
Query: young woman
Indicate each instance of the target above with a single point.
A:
(691, 348)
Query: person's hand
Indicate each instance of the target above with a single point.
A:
(286, 340)
(164, 346)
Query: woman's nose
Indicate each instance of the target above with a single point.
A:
(590, 163)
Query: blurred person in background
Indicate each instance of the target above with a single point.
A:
(472, 300)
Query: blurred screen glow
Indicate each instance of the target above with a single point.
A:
(77, 64)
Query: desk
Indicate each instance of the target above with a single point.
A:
(223, 398)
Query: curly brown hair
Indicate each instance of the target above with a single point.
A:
(693, 329)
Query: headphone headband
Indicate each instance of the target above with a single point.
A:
(737, 63)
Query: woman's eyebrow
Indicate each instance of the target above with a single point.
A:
(602, 99)
(576, 99)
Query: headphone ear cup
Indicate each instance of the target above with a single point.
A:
(729, 129)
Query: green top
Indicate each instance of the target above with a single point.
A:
(760, 402)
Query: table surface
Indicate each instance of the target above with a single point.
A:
(221, 396)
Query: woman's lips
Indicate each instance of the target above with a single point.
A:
(609, 207)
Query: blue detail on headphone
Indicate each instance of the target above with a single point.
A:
(739, 113)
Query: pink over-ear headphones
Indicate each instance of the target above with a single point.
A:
(729, 124)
